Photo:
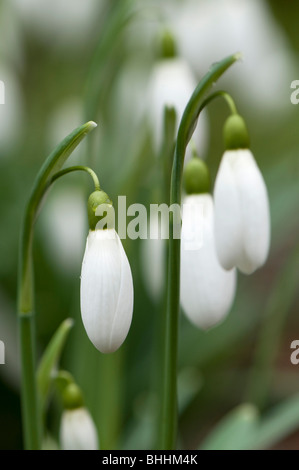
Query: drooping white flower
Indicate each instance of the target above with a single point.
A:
(171, 84)
(242, 216)
(106, 290)
(78, 431)
(207, 290)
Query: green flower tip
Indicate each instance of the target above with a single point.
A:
(91, 125)
(95, 199)
(72, 397)
(238, 55)
(68, 323)
(168, 49)
(196, 177)
(235, 133)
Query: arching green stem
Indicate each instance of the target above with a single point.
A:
(70, 169)
(186, 129)
(29, 396)
(222, 94)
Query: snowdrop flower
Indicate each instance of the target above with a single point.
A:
(242, 218)
(171, 84)
(106, 285)
(207, 290)
(77, 429)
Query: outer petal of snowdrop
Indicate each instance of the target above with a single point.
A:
(242, 218)
(78, 431)
(207, 290)
(172, 84)
(106, 290)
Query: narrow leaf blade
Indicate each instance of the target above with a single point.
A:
(50, 359)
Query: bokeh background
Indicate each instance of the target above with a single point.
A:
(66, 62)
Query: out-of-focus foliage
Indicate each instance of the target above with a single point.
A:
(58, 64)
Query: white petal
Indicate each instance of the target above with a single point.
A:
(172, 84)
(255, 212)
(78, 431)
(242, 218)
(207, 290)
(106, 290)
(228, 218)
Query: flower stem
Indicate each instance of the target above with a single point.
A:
(77, 168)
(169, 363)
(32, 420)
(223, 94)
(26, 318)
(31, 424)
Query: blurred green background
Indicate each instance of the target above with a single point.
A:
(68, 62)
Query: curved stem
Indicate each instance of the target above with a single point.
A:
(223, 94)
(186, 129)
(77, 168)
(32, 420)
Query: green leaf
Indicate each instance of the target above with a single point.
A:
(49, 361)
(235, 431)
(193, 108)
(186, 128)
(55, 161)
(277, 424)
(243, 428)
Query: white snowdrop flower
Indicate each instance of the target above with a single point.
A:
(78, 431)
(106, 283)
(77, 428)
(242, 216)
(171, 84)
(106, 290)
(207, 290)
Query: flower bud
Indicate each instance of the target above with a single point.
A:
(196, 177)
(106, 290)
(242, 215)
(77, 429)
(235, 133)
(95, 199)
(172, 84)
(207, 290)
